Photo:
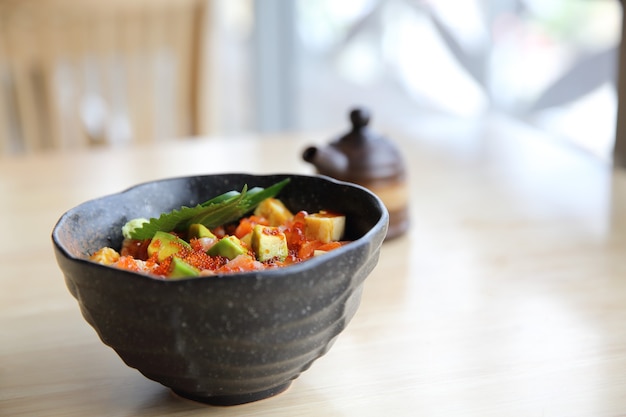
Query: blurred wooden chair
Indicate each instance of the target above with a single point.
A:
(78, 73)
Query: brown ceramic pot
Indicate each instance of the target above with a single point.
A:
(370, 160)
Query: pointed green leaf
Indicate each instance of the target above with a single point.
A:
(223, 209)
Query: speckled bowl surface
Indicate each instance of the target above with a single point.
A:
(227, 339)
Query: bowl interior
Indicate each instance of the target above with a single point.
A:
(98, 222)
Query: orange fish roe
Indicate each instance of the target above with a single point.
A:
(295, 230)
(202, 261)
(163, 268)
(196, 245)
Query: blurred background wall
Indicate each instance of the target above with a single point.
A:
(272, 65)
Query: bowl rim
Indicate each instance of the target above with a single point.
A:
(381, 223)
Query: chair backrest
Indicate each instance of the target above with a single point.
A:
(75, 73)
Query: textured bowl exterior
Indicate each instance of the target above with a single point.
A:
(227, 339)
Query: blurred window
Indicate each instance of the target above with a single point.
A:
(550, 64)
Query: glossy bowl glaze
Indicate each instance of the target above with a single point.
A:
(227, 339)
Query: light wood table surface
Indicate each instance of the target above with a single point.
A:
(507, 297)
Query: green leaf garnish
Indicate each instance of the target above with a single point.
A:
(223, 209)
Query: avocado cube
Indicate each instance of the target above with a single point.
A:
(247, 240)
(269, 243)
(325, 226)
(165, 245)
(198, 230)
(229, 247)
(274, 211)
(181, 269)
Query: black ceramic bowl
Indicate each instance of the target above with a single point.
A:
(227, 339)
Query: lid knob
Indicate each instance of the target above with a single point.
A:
(359, 118)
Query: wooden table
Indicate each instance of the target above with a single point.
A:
(506, 298)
